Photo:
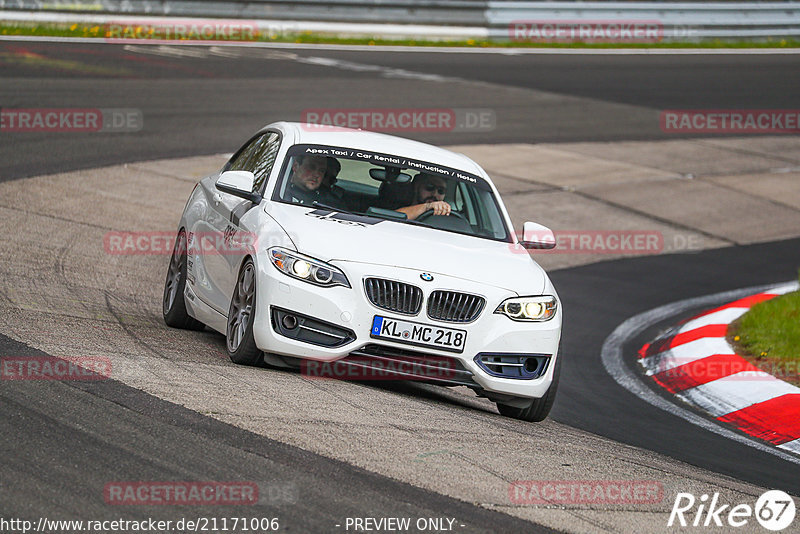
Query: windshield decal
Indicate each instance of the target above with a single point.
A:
(381, 159)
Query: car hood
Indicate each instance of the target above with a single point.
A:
(341, 237)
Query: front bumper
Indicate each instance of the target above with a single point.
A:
(349, 310)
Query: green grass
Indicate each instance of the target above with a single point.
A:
(98, 31)
(769, 335)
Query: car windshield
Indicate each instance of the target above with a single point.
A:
(390, 187)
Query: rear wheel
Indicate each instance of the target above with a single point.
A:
(538, 409)
(173, 305)
(240, 343)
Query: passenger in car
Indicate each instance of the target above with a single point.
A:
(305, 184)
(329, 181)
(429, 192)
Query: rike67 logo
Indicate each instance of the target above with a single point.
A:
(774, 510)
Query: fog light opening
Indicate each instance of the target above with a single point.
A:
(531, 365)
(289, 322)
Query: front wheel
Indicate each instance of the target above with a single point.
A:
(240, 343)
(173, 306)
(538, 409)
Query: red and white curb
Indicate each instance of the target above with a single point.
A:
(695, 362)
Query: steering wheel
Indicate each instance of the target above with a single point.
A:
(429, 213)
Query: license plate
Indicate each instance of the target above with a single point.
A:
(420, 334)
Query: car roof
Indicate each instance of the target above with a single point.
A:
(315, 134)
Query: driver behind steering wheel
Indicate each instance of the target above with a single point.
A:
(429, 192)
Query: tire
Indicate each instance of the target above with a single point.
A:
(173, 305)
(538, 409)
(239, 341)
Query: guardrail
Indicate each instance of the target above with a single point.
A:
(445, 12)
(677, 21)
(499, 20)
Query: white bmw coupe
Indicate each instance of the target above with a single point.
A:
(359, 255)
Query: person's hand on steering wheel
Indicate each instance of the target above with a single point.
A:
(439, 207)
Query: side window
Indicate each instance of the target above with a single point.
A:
(258, 157)
(465, 203)
(264, 157)
(459, 201)
(239, 161)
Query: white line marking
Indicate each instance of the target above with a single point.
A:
(737, 391)
(726, 316)
(788, 288)
(613, 362)
(386, 72)
(169, 51)
(793, 446)
(685, 353)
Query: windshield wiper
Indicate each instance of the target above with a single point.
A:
(382, 216)
(317, 204)
(419, 223)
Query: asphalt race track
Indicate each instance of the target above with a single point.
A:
(197, 101)
(61, 441)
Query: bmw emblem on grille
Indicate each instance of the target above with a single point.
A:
(426, 276)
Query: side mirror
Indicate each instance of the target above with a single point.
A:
(240, 184)
(537, 236)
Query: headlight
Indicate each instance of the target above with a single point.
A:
(307, 269)
(538, 309)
